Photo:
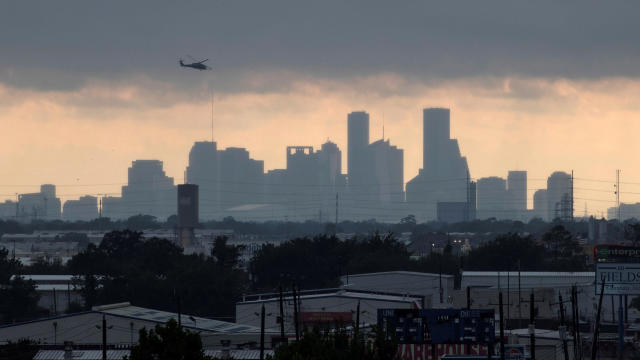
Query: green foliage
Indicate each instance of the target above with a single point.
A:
(319, 262)
(557, 251)
(8, 266)
(155, 273)
(565, 252)
(226, 257)
(18, 297)
(168, 342)
(24, 349)
(44, 265)
(19, 300)
(505, 252)
(338, 345)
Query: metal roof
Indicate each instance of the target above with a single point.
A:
(410, 273)
(188, 321)
(342, 293)
(120, 354)
(47, 278)
(530, 273)
(80, 354)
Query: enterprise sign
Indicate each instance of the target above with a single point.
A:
(619, 278)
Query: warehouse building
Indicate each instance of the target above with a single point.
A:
(124, 321)
(323, 307)
(428, 285)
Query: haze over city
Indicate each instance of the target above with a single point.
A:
(305, 180)
(537, 97)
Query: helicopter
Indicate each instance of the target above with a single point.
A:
(198, 65)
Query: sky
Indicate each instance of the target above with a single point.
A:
(86, 87)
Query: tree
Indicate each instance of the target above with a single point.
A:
(566, 253)
(168, 342)
(19, 300)
(632, 233)
(155, 272)
(338, 345)
(225, 256)
(505, 252)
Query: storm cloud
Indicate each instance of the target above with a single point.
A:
(49, 45)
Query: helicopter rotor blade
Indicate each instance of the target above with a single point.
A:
(192, 59)
(200, 62)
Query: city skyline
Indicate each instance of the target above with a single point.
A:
(528, 94)
(235, 183)
(531, 189)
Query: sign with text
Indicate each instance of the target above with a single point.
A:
(438, 326)
(616, 253)
(619, 278)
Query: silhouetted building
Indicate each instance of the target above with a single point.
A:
(492, 198)
(358, 140)
(517, 190)
(597, 231)
(559, 201)
(385, 172)
(187, 213)
(83, 209)
(241, 178)
(43, 205)
(444, 176)
(627, 211)
(454, 212)
(203, 171)
(8, 210)
(540, 204)
(149, 191)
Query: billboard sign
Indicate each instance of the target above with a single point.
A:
(616, 253)
(619, 278)
(438, 326)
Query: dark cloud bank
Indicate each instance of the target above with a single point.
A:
(59, 45)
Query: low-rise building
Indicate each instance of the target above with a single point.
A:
(323, 306)
(428, 285)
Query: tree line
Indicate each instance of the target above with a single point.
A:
(155, 272)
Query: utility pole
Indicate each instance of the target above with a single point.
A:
(532, 327)
(295, 312)
(596, 330)
(508, 294)
(440, 280)
(563, 330)
(336, 228)
(572, 195)
(501, 326)
(519, 297)
(576, 323)
(620, 329)
(178, 308)
(262, 333)
(357, 327)
(104, 337)
(281, 316)
(617, 192)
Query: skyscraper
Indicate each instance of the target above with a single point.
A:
(85, 209)
(241, 178)
(558, 195)
(203, 171)
(540, 207)
(517, 191)
(149, 191)
(387, 178)
(42, 205)
(445, 174)
(358, 139)
(492, 198)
